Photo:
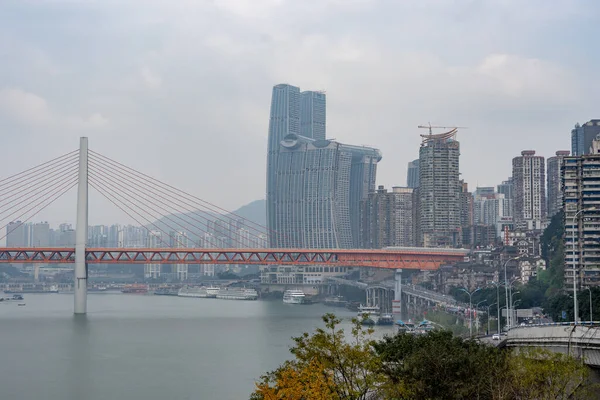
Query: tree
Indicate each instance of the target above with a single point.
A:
(327, 363)
(541, 374)
(440, 366)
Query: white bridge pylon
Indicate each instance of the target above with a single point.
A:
(81, 230)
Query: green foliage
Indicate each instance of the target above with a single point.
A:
(437, 365)
(351, 367)
(553, 251)
(540, 374)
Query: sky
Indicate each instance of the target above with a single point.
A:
(180, 89)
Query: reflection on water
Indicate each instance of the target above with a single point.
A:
(146, 347)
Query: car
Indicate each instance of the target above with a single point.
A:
(495, 336)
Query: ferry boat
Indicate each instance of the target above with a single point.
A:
(368, 315)
(294, 297)
(33, 289)
(202, 292)
(166, 292)
(135, 289)
(235, 293)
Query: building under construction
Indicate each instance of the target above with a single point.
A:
(439, 216)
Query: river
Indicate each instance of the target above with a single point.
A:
(147, 347)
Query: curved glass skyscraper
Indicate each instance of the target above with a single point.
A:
(314, 186)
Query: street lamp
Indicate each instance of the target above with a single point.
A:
(477, 308)
(591, 313)
(510, 298)
(488, 317)
(497, 284)
(470, 308)
(575, 265)
(506, 286)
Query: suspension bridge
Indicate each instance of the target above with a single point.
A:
(147, 201)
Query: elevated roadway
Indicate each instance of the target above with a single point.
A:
(581, 340)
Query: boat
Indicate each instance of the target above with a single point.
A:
(33, 289)
(368, 315)
(135, 289)
(352, 305)
(97, 289)
(166, 292)
(237, 294)
(335, 301)
(386, 319)
(294, 297)
(202, 292)
(15, 297)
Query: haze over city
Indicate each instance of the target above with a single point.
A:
(180, 89)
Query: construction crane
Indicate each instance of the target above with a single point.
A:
(445, 135)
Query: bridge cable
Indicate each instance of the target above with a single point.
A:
(158, 196)
(107, 196)
(157, 192)
(64, 188)
(181, 192)
(40, 175)
(32, 170)
(213, 215)
(44, 181)
(103, 180)
(126, 189)
(32, 199)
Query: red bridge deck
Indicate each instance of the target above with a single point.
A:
(405, 258)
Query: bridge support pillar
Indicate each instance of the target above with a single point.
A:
(81, 230)
(397, 302)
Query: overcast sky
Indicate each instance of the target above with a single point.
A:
(180, 89)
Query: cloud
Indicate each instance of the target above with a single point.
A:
(150, 79)
(33, 110)
(516, 73)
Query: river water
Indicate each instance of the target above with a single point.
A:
(147, 347)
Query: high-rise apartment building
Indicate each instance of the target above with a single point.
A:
(40, 234)
(314, 186)
(466, 214)
(529, 179)
(439, 191)
(583, 135)
(554, 165)
(292, 112)
(387, 218)
(580, 181)
(412, 174)
(16, 235)
(320, 185)
(179, 240)
(153, 240)
(506, 188)
(313, 115)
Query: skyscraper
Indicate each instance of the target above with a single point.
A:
(387, 218)
(320, 185)
(583, 135)
(16, 235)
(179, 240)
(294, 113)
(439, 190)
(313, 115)
(529, 191)
(580, 202)
(412, 174)
(153, 240)
(554, 165)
